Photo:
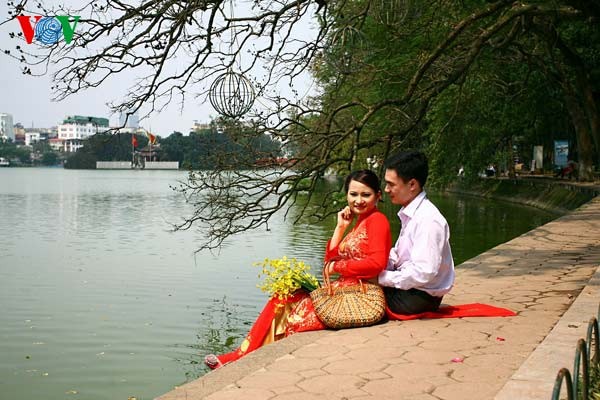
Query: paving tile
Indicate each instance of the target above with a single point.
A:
(311, 373)
(336, 357)
(349, 393)
(465, 373)
(342, 340)
(287, 389)
(295, 364)
(302, 395)
(319, 351)
(328, 384)
(466, 391)
(355, 366)
(397, 338)
(398, 386)
(241, 394)
(417, 371)
(422, 356)
(373, 376)
(459, 346)
(269, 380)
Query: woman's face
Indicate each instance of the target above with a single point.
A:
(361, 198)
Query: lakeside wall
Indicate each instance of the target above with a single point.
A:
(127, 165)
(547, 194)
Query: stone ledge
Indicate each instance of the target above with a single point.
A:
(226, 376)
(534, 380)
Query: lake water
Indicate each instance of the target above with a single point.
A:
(100, 300)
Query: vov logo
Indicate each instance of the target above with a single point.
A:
(48, 30)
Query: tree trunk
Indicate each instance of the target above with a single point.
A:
(579, 100)
(582, 133)
(592, 114)
(511, 160)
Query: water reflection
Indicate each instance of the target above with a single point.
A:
(224, 328)
(478, 224)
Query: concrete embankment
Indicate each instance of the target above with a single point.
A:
(539, 275)
(559, 196)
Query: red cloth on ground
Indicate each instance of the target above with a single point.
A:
(257, 333)
(463, 310)
(263, 326)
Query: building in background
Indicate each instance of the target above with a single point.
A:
(32, 137)
(75, 129)
(19, 133)
(131, 121)
(128, 124)
(200, 126)
(7, 131)
(204, 126)
(56, 144)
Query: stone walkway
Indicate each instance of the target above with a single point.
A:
(539, 275)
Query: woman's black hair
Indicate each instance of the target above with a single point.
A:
(364, 176)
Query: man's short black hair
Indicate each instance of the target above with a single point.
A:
(408, 165)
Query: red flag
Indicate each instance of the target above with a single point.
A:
(134, 141)
(151, 137)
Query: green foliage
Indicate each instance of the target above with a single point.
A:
(215, 148)
(81, 160)
(481, 121)
(44, 154)
(50, 158)
(207, 149)
(594, 389)
(103, 146)
(511, 98)
(11, 151)
(22, 155)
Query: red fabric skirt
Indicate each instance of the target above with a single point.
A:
(278, 319)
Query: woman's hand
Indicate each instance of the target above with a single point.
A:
(329, 267)
(344, 218)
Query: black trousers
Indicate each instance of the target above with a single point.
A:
(412, 301)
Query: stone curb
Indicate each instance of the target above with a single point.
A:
(535, 378)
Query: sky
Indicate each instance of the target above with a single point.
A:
(29, 98)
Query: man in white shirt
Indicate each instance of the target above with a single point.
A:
(420, 269)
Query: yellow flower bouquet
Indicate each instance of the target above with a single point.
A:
(283, 276)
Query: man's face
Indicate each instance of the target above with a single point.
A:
(400, 192)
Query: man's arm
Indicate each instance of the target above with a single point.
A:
(425, 259)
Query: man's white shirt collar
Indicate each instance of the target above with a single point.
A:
(412, 207)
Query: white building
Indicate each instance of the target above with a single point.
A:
(203, 126)
(133, 121)
(6, 127)
(128, 130)
(75, 129)
(32, 137)
(56, 144)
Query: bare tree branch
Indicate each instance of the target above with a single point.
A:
(177, 48)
